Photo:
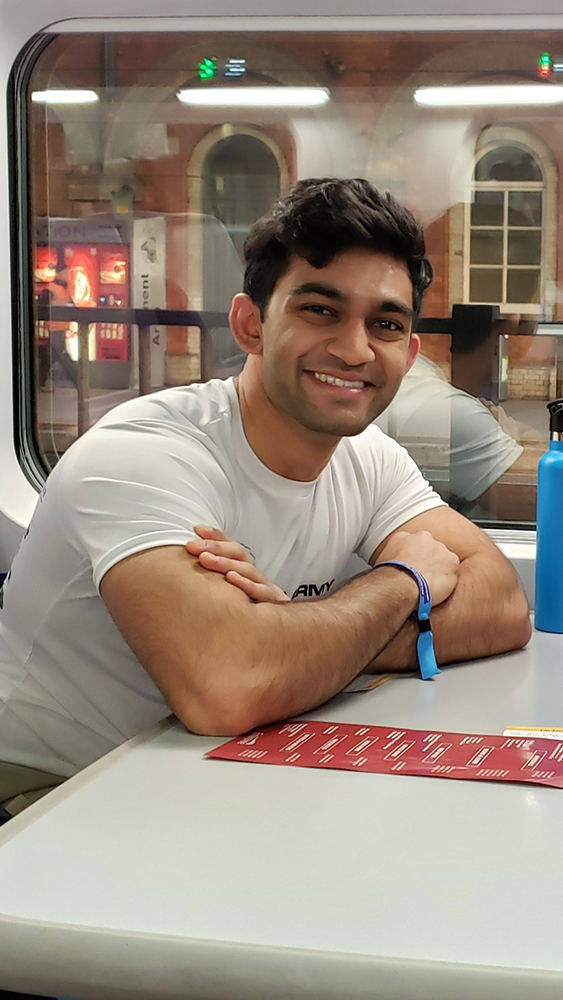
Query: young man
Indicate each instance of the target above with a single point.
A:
(119, 608)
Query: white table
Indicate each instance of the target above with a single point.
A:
(158, 874)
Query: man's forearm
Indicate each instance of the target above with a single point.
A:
(226, 664)
(292, 657)
(487, 614)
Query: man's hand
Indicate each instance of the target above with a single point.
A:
(437, 563)
(215, 552)
(486, 612)
(508, 424)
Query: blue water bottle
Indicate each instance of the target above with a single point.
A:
(549, 552)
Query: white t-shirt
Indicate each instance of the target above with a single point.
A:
(151, 469)
(452, 436)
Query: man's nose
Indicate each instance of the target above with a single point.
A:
(351, 343)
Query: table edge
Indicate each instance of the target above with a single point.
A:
(173, 968)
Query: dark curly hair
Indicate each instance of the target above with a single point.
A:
(321, 217)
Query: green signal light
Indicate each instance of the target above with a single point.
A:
(207, 69)
(545, 65)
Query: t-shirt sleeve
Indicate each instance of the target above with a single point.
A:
(400, 493)
(480, 450)
(125, 489)
(452, 436)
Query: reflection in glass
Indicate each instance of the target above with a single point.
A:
(487, 208)
(508, 163)
(486, 246)
(485, 285)
(241, 180)
(523, 285)
(524, 247)
(153, 199)
(524, 208)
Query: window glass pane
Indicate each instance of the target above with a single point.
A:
(508, 163)
(523, 285)
(487, 208)
(141, 201)
(524, 247)
(524, 208)
(485, 285)
(486, 246)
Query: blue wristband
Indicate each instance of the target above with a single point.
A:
(425, 642)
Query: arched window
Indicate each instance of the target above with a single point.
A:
(505, 234)
(241, 180)
(236, 173)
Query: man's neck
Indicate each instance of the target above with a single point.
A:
(282, 445)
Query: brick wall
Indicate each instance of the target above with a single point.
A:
(532, 382)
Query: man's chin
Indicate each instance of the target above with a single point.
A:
(334, 419)
(337, 427)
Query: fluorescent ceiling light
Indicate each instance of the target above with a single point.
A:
(255, 97)
(64, 96)
(489, 95)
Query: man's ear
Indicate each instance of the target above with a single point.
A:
(414, 348)
(246, 324)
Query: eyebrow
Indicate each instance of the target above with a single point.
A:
(331, 292)
(316, 287)
(397, 307)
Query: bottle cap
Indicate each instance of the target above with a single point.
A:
(556, 415)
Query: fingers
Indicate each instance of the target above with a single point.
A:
(245, 576)
(259, 592)
(205, 531)
(430, 557)
(214, 541)
(223, 564)
(219, 554)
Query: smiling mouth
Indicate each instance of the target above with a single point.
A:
(344, 383)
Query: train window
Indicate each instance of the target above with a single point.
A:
(144, 159)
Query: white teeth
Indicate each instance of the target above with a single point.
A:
(321, 377)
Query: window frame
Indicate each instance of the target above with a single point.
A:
(23, 324)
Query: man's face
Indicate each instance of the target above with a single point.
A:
(336, 341)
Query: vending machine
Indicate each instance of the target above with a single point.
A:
(99, 276)
(81, 275)
(112, 339)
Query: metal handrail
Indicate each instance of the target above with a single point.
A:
(207, 320)
(136, 317)
(143, 319)
(462, 319)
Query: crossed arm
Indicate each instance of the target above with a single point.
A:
(487, 612)
(226, 663)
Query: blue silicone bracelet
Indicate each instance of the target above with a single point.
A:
(425, 643)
